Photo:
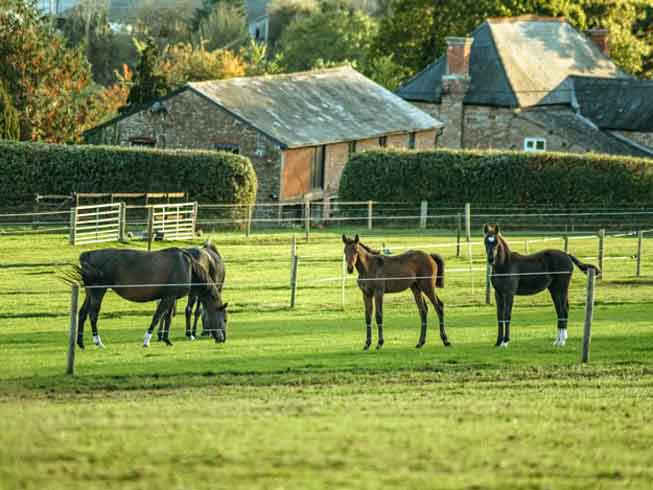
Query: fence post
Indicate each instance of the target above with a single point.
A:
(589, 309)
(72, 335)
(488, 285)
(293, 271)
(459, 220)
(342, 287)
(150, 227)
(565, 239)
(601, 249)
(72, 227)
(640, 242)
(196, 212)
(122, 226)
(307, 217)
(526, 247)
(248, 228)
(423, 213)
(468, 222)
(370, 205)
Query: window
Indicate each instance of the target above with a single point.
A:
(411, 141)
(352, 147)
(383, 141)
(235, 149)
(260, 146)
(143, 141)
(534, 144)
(317, 169)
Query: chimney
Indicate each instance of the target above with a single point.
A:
(600, 37)
(458, 51)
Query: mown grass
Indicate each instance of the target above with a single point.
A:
(292, 401)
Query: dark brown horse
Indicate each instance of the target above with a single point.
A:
(377, 275)
(516, 274)
(138, 276)
(209, 257)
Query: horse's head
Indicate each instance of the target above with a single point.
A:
(214, 318)
(491, 242)
(351, 252)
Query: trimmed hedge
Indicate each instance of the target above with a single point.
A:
(27, 169)
(514, 178)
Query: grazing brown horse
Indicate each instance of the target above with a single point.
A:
(209, 257)
(139, 276)
(377, 275)
(516, 274)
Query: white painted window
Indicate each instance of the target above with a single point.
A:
(534, 144)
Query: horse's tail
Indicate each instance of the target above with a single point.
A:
(584, 267)
(439, 280)
(84, 274)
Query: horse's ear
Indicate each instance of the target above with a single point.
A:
(356, 238)
(496, 229)
(344, 239)
(486, 228)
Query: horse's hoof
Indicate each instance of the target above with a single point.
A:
(366, 347)
(378, 346)
(145, 346)
(167, 341)
(81, 345)
(419, 345)
(504, 344)
(446, 343)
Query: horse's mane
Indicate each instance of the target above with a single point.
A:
(209, 245)
(369, 250)
(202, 276)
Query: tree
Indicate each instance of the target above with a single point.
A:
(50, 83)
(183, 63)
(335, 34)
(148, 82)
(9, 117)
(223, 26)
(257, 61)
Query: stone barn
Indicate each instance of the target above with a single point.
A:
(298, 129)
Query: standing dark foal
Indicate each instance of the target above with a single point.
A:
(516, 274)
(377, 275)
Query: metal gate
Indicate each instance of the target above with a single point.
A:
(174, 221)
(97, 223)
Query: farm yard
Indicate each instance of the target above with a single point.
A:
(292, 401)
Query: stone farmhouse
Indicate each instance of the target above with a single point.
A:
(535, 84)
(297, 129)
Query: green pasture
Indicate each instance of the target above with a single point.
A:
(292, 401)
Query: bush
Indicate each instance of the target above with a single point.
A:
(512, 178)
(207, 176)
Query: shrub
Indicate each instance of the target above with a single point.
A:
(207, 176)
(513, 178)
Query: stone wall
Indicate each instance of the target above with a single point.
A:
(426, 140)
(190, 121)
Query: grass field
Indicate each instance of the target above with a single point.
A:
(292, 401)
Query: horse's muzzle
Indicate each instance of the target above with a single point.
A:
(350, 269)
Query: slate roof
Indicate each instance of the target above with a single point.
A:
(519, 62)
(579, 130)
(316, 107)
(616, 104)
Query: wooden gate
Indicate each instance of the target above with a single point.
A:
(97, 224)
(174, 221)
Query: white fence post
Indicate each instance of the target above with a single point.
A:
(423, 213)
(307, 217)
(488, 285)
(640, 243)
(293, 271)
(589, 310)
(468, 221)
(72, 227)
(150, 227)
(370, 207)
(72, 334)
(601, 250)
(122, 234)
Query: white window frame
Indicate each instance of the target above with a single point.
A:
(531, 144)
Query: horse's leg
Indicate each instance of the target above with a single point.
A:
(439, 309)
(94, 310)
(507, 316)
(378, 303)
(164, 305)
(198, 314)
(561, 303)
(166, 319)
(189, 312)
(423, 311)
(368, 320)
(500, 316)
(83, 313)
